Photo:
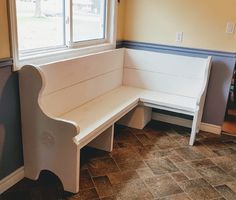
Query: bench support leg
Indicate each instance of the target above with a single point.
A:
(137, 118)
(66, 168)
(195, 128)
(192, 137)
(70, 175)
(104, 141)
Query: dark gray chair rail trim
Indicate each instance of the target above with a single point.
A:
(168, 48)
(6, 62)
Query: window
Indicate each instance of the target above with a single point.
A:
(89, 20)
(40, 24)
(47, 30)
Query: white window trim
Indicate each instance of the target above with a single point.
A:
(74, 49)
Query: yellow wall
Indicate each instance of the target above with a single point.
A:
(4, 34)
(203, 22)
(120, 19)
(157, 21)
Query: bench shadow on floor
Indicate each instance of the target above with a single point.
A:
(154, 163)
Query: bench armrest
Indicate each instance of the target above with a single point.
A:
(202, 93)
(32, 84)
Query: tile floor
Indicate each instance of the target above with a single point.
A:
(154, 163)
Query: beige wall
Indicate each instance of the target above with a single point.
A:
(203, 22)
(120, 19)
(4, 34)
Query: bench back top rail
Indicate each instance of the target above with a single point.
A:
(174, 74)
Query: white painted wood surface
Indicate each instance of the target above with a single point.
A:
(162, 82)
(47, 140)
(73, 103)
(173, 74)
(186, 123)
(102, 112)
(104, 141)
(81, 93)
(175, 65)
(73, 81)
(137, 118)
(179, 76)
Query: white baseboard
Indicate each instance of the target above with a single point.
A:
(211, 128)
(172, 119)
(11, 179)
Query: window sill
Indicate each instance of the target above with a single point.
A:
(61, 54)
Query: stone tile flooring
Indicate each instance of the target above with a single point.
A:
(154, 163)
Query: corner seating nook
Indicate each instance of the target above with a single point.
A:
(72, 103)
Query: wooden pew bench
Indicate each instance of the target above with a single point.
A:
(72, 103)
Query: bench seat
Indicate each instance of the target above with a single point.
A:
(102, 111)
(73, 103)
(172, 102)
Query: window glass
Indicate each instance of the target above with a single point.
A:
(89, 18)
(48, 30)
(40, 24)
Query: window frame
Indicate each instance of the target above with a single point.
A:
(71, 49)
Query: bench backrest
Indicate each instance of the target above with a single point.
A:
(73, 82)
(174, 74)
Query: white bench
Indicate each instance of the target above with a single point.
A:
(72, 103)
